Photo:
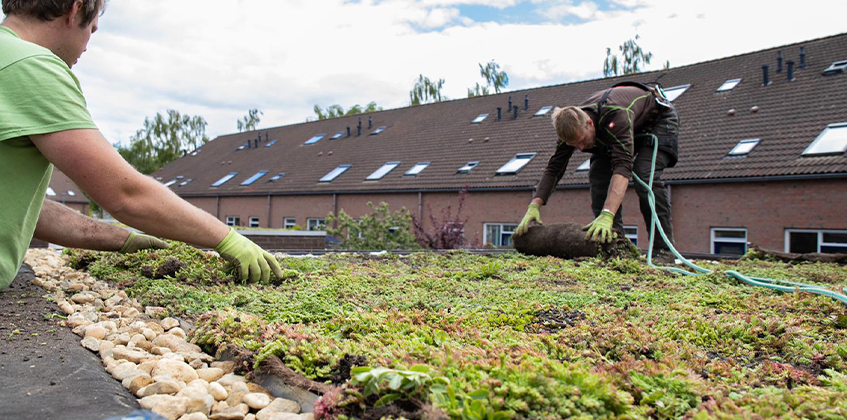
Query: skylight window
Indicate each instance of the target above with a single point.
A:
(384, 170)
(378, 130)
(253, 178)
(467, 168)
(272, 142)
(194, 153)
(171, 182)
(277, 177)
(335, 173)
(315, 139)
(418, 168)
(516, 164)
(835, 68)
(479, 119)
(585, 165)
(743, 147)
(337, 135)
(50, 191)
(832, 140)
(71, 193)
(226, 178)
(242, 147)
(543, 111)
(729, 85)
(674, 92)
(184, 183)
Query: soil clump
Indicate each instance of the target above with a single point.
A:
(567, 240)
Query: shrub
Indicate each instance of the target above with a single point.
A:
(379, 230)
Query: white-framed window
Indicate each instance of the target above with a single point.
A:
(226, 178)
(498, 234)
(744, 147)
(832, 140)
(543, 111)
(335, 173)
(674, 92)
(729, 85)
(516, 164)
(802, 241)
(631, 232)
(315, 139)
(315, 224)
(415, 170)
(253, 222)
(479, 119)
(233, 221)
(289, 222)
(467, 168)
(732, 241)
(584, 166)
(382, 171)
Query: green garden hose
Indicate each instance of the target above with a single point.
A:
(775, 284)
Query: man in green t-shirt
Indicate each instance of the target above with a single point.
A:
(44, 121)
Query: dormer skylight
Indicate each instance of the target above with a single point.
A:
(729, 85)
(315, 139)
(381, 172)
(585, 165)
(335, 173)
(674, 92)
(543, 111)
(743, 147)
(226, 178)
(271, 143)
(378, 130)
(337, 135)
(479, 119)
(418, 168)
(242, 147)
(184, 183)
(171, 182)
(50, 191)
(831, 141)
(253, 178)
(277, 177)
(835, 68)
(467, 168)
(71, 193)
(516, 164)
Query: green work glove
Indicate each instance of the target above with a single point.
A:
(138, 241)
(532, 213)
(250, 259)
(600, 230)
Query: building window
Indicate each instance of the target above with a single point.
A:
(674, 92)
(743, 147)
(315, 139)
(832, 140)
(315, 224)
(253, 221)
(226, 178)
(233, 221)
(631, 232)
(467, 168)
(479, 119)
(289, 222)
(420, 166)
(803, 241)
(253, 178)
(378, 130)
(585, 165)
(382, 171)
(499, 234)
(184, 183)
(337, 135)
(516, 164)
(729, 85)
(731, 241)
(543, 111)
(335, 173)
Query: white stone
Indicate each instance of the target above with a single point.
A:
(171, 409)
(76, 319)
(67, 308)
(151, 401)
(239, 387)
(176, 369)
(169, 323)
(231, 378)
(217, 390)
(210, 374)
(160, 351)
(105, 347)
(194, 416)
(179, 332)
(278, 406)
(176, 344)
(131, 313)
(159, 388)
(96, 331)
(137, 382)
(119, 372)
(83, 298)
(174, 356)
(134, 356)
(91, 343)
(149, 334)
(256, 400)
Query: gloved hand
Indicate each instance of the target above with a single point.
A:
(600, 230)
(138, 241)
(532, 213)
(249, 258)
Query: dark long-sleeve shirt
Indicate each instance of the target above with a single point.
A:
(627, 111)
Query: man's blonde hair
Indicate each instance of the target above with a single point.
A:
(569, 122)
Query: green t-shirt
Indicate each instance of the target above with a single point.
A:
(38, 95)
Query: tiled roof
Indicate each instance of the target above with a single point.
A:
(61, 184)
(789, 116)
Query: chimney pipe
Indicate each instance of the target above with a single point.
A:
(499, 112)
(248, 143)
(790, 65)
(525, 101)
(510, 104)
(256, 144)
(515, 109)
(266, 136)
(359, 127)
(779, 62)
(370, 122)
(348, 131)
(765, 75)
(802, 58)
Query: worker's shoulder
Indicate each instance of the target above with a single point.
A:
(14, 50)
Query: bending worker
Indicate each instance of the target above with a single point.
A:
(608, 125)
(44, 121)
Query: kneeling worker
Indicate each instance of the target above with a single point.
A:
(608, 125)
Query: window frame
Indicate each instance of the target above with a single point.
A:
(286, 220)
(500, 232)
(233, 221)
(226, 178)
(314, 139)
(378, 130)
(734, 152)
(584, 166)
(681, 88)
(545, 108)
(254, 178)
(383, 171)
(320, 222)
(834, 126)
(340, 170)
(519, 156)
(250, 221)
(479, 119)
(820, 233)
(632, 236)
(713, 239)
(423, 165)
(734, 83)
(468, 167)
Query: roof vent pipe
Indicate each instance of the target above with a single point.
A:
(359, 127)
(248, 143)
(348, 131)
(510, 104)
(515, 109)
(802, 58)
(266, 136)
(370, 122)
(525, 102)
(790, 65)
(256, 144)
(779, 62)
(499, 113)
(765, 81)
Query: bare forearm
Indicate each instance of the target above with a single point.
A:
(60, 225)
(617, 189)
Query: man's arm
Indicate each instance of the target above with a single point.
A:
(137, 200)
(60, 225)
(617, 189)
(554, 171)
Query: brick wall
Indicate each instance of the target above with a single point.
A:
(290, 240)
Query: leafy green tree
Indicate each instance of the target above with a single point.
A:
(250, 121)
(493, 76)
(379, 230)
(632, 59)
(163, 139)
(334, 111)
(426, 91)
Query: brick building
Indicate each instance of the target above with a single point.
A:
(762, 158)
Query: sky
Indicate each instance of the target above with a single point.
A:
(219, 58)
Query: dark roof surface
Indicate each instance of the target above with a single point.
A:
(789, 116)
(60, 183)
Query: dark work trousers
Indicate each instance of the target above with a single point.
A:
(600, 175)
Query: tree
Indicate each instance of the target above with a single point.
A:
(250, 121)
(493, 78)
(164, 139)
(334, 111)
(632, 60)
(426, 91)
(380, 230)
